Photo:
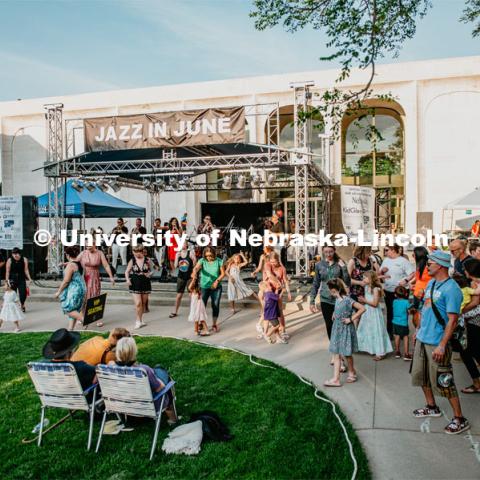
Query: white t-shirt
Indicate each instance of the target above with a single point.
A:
(398, 269)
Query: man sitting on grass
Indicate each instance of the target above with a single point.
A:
(98, 350)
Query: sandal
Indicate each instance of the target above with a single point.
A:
(457, 425)
(329, 383)
(215, 328)
(351, 379)
(377, 358)
(471, 389)
(343, 369)
(99, 324)
(204, 334)
(172, 315)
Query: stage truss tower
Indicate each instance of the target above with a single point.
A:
(301, 160)
(54, 121)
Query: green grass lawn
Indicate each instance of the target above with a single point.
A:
(281, 431)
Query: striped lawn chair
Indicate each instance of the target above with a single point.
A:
(58, 386)
(126, 390)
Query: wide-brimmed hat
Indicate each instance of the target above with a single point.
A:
(441, 257)
(61, 342)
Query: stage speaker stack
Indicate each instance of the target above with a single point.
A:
(37, 256)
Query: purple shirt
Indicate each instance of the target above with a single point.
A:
(270, 309)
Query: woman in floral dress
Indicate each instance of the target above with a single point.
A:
(72, 290)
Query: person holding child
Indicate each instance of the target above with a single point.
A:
(401, 308)
(270, 299)
(276, 274)
(11, 310)
(372, 334)
(343, 342)
(98, 350)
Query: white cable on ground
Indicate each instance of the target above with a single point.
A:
(326, 400)
(310, 384)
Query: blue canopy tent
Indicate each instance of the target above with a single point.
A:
(86, 204)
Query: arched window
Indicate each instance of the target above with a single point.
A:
(287, 130)
(373, 155)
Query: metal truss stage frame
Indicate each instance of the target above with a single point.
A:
(131, 168)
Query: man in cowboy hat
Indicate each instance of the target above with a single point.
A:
(431, 366)
(60, 347)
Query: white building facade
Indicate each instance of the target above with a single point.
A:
(427, 157)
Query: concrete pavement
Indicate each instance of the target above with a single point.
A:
(379, 405)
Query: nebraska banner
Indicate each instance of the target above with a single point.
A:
(358, 210)
(167, 129)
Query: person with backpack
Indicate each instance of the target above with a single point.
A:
(431, 366)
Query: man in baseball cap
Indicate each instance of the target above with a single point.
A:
(431, 366)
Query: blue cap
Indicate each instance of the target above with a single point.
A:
(441, 257)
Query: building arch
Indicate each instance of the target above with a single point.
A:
(373, 154)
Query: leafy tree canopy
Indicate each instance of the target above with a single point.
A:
(359, 33)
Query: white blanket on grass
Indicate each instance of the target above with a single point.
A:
(185, 439)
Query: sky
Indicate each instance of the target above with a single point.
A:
(66, 47)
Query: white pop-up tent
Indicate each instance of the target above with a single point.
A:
(470, 202)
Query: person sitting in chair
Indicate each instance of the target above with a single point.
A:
(98, 350)
(60, 348)
(126, 356)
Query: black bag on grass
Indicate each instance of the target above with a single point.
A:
(213, 427)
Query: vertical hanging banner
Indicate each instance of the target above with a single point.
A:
(358, 210)
(11, 223)
(167, 129)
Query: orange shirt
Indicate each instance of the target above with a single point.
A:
(475, 230)
(93, 350)
(421, 283)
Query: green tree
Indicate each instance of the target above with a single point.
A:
(359, 33)
(471, 14)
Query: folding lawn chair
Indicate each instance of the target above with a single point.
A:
(126, 390)
(58, 386)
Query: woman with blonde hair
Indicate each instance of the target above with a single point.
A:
(126, 356)
(276, 274)
(138, 275)
(237, 290)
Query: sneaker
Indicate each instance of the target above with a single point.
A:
(281, 339)
(285, 335)
(398, 355)
(268, 339)
(407, 357)
(457, 425)
(138, 325)
(427, 411)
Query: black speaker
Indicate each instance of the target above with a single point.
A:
(30, 217)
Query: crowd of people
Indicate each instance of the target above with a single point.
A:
(438, 294)
(420, 310)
